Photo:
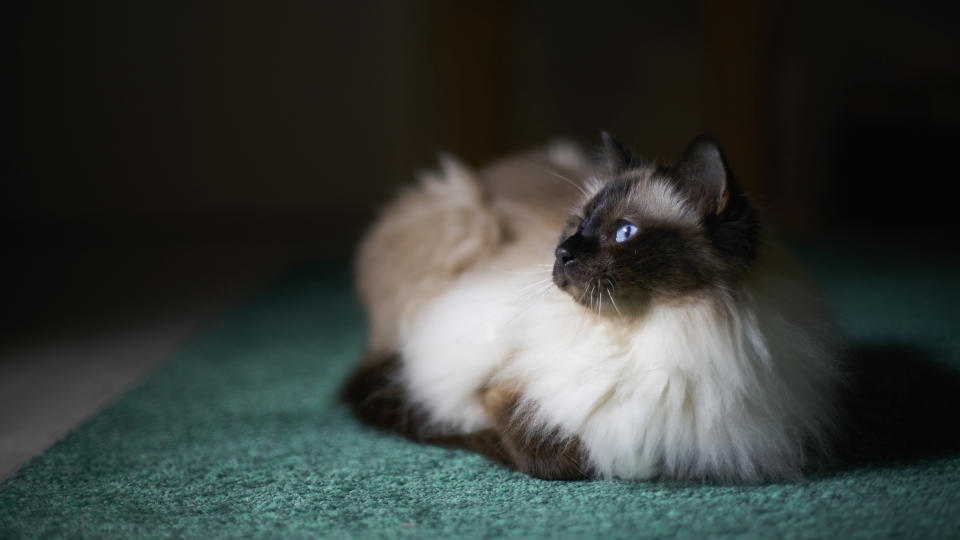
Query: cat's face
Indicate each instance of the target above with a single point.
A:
(656, 232)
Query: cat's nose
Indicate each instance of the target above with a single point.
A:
(564, 256)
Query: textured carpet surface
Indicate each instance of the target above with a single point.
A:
(240, 435)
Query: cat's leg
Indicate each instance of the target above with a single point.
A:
(379, 398)
(543, 453)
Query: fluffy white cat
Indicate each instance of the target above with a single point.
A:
(612, 319)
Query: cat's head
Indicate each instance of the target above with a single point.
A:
(657, 231)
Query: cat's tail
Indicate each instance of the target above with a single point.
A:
(424, 239)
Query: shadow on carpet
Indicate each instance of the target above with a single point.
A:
(900, 406)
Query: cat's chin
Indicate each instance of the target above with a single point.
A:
(602, 300)
(583, 294)
(565, 284)
(568, 285)
(561, 281)
(578, 295)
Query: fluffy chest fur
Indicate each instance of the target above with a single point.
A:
(689, 389)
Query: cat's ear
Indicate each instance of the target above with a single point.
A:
(615, 156)
(703, 171)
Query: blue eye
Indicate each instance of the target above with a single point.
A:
(625, 231)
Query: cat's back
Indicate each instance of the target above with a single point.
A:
(455, 220)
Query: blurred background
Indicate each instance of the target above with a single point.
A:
(164, 158)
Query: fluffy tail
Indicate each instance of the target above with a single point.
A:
(427, 237)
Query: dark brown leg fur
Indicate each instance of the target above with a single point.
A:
(380, 400)
(543, 454)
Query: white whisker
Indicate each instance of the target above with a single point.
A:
(567, 180)
(531, 300)
(521, 272)
(535, 283)
(599, 298)
(528, 301)
(610, 295)
(534, 289)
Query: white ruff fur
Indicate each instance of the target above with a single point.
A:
(701, 388)
(731, 385)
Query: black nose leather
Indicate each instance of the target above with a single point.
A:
(564, 256)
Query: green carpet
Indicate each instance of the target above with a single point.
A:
(239, 434)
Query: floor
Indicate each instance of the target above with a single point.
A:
(83, 324)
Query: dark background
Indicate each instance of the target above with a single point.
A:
(144, 127)
(200, 121)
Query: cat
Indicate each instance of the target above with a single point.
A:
(579, 318)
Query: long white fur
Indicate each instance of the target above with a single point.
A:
(727, 385)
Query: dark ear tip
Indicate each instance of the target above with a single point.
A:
(615, 154)
(704, 139)
(705, 146)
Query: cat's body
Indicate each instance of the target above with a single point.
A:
(713, 361)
